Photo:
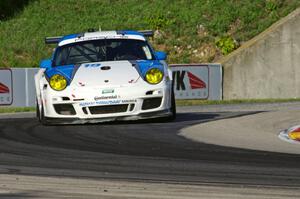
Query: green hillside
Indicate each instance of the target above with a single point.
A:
(188, 30)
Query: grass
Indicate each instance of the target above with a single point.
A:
(16, 109)
(178, 103)
(188, 29)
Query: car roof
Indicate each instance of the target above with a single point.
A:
(124, 34)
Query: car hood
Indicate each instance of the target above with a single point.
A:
(110, 73)
(115, 73)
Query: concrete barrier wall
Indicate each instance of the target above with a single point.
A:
(267, 66)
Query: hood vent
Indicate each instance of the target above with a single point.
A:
(105, 68)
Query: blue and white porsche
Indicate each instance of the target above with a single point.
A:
(104, 76)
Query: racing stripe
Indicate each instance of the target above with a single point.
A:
(146, 65)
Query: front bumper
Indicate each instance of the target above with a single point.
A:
(141, 116)
(90, 105)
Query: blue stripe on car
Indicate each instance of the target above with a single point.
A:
(129, 32)
(72, 36)
(68, 71)
(145, 65)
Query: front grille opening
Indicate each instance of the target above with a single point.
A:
(108, 109)
(151, 103)
(78, 99)
(131, 107)
(84, 109)
(149, 93)
(65, 98)
(64, 109)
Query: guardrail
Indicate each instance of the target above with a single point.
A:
(191, 81)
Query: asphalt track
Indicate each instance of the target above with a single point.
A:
(145, 151)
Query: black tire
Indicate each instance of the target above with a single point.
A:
(173, 106)
(172, 117)
(43, 119)
(40, 115)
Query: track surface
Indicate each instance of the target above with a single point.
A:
(142, 151)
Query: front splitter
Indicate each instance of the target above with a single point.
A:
(142, 116)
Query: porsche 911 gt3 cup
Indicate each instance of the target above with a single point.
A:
(104, 76)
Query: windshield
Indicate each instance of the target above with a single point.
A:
(102, 50)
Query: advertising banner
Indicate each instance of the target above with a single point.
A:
(6, 87)
(197, 81)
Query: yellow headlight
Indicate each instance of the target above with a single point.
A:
(154, 76)
(58, 82)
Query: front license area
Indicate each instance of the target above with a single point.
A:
(107, 107)
(106, 102)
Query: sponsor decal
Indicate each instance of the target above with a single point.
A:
(92, 65)
(101, 37)
(129, 101)
(191, 82)
(86, 103)
(81, 84)
(89, 38)
(6, 89)
(131, 81)
(106, 97)
(107, 91)
(107, 102)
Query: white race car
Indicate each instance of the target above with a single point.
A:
(104, 76)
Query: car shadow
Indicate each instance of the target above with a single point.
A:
(184, 118)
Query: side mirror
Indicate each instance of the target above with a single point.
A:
(161, 55)
(46, 63)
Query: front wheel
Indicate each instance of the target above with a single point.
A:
(172, 117)
(40, 114)
(173, 106)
